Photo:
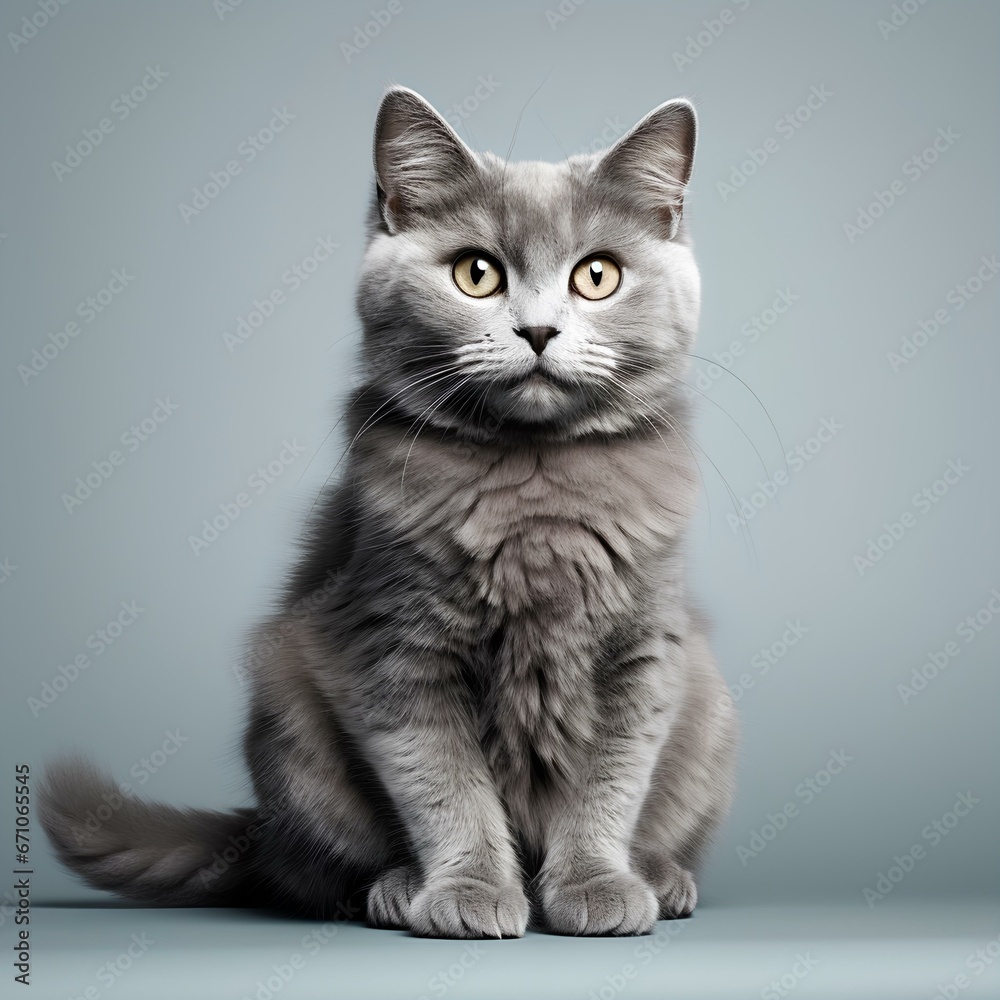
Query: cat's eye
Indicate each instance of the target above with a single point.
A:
(596, 277)
(477, 274)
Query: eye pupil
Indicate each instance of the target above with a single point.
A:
(596, 277)
(477, 275)
(477, 270)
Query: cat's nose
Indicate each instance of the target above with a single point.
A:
(537, 336)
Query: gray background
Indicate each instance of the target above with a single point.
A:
(571, 79)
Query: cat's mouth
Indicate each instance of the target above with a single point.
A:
(542, 375)
(538, 395)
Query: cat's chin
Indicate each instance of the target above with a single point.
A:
(541, 399)
(550, 405)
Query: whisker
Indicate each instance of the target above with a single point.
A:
(437, 375)
(752, 393)
(433, 407)
(663, 415)
(739, 426)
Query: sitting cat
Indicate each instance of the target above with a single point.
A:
(486, 692)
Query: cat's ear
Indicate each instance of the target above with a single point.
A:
(417, 154)
(652, 162)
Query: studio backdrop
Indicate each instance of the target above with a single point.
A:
(182, 217)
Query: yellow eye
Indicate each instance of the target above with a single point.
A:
(596, 277)
(478, 274)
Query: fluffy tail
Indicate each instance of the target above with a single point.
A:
(146, 851)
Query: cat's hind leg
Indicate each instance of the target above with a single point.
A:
(691, 786)
(329, 838)
(390, 895)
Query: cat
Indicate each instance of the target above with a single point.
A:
(486, 696)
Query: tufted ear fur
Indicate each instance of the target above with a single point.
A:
(653, 161)
(417, 154)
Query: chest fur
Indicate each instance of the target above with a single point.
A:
(554, 545)
(568, 527)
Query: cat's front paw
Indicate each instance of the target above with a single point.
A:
(460, 907)
(613, 903)
(676, 890)
(389, 898)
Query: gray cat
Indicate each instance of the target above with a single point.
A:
(485, 693)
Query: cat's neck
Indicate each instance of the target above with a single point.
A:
(371, 407)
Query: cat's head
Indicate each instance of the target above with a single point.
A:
(544, 296)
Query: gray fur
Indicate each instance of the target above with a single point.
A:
(485, 695)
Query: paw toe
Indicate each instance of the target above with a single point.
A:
(617, 903)
(389, 898)
(677, 893)
(459, 907)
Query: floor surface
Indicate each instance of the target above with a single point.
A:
(911, 952)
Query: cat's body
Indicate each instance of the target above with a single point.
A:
(486, 683)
